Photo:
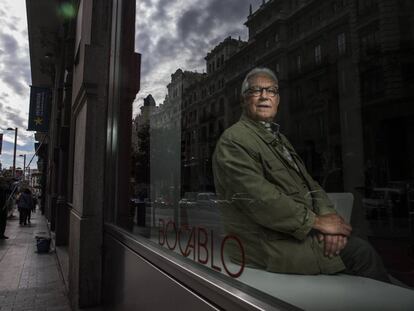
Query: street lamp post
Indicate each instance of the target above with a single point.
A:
(14, 152)
(24, 165)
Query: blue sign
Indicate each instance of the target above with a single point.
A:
(40, 101)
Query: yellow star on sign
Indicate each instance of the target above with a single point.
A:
(38, 121)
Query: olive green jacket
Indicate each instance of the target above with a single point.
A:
(268, 204)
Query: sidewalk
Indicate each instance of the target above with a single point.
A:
(29, 281)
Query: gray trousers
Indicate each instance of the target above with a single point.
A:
(361, 259)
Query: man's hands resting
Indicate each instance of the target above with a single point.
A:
(332, 224)
(333, 230)
(333, 243)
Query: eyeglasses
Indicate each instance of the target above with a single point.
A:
(272, 91)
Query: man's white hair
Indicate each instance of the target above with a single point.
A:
(258, 71)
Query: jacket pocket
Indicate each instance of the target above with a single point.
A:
(278, 174)
(273, 165)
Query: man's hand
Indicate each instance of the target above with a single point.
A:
(333, 244)
(332, 224)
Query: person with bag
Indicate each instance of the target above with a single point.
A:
(25, 206)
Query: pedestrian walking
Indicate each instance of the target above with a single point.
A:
(4, 195)
(25, 206)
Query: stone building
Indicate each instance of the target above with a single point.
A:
(205, 114)
(334, 60)
(165, 138)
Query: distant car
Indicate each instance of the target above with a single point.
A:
(188, 200)
(135, 200)
(198, 200)
(206, 200)
(160, 202)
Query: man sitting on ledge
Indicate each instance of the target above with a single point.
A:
(282, 216)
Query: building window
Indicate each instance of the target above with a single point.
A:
(341, 43)
(299, 129)
(299, 63)
(299, 96)
(321, 126)
(220, 126)
(318, 55)
(213, 107)
(372, 83)
(343, 81)
(367, 6)
(369, 41)
(221, 106)
(236, 92)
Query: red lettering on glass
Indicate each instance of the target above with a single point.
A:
(212, 254)
(183, 252)
(198, 241)
(243, 261)
(191, 245)
(161, 232)
(175, 234)
(202, 244)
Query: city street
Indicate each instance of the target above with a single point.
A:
(29, 280)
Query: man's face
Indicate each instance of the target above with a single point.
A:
(262, 106)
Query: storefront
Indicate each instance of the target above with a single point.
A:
(134, 192)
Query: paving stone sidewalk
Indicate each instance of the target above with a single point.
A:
(29, 281)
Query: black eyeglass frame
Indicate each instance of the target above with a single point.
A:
(272, 91)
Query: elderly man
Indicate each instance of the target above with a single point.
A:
(282, 216)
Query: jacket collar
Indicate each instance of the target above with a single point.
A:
(258, 128)
(270, 139)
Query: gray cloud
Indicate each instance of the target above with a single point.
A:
(168, 42)
(14, 118)
(8, 42)
(203, 21)
(16, 69)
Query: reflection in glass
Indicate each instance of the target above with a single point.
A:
(345, 76)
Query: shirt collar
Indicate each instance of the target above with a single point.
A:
(260, 129)
(271, 127)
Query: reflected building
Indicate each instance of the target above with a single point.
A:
(338, 74)
(206, 112)
(165, 139)
(140, 148)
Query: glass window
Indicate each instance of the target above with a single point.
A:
(229, 204)
(318, 55)
(299, 63)
(341, 43)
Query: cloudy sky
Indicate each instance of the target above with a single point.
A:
(170, 34)
(14, 82)
(178, 34)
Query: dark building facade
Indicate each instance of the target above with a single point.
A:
(339, 78)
